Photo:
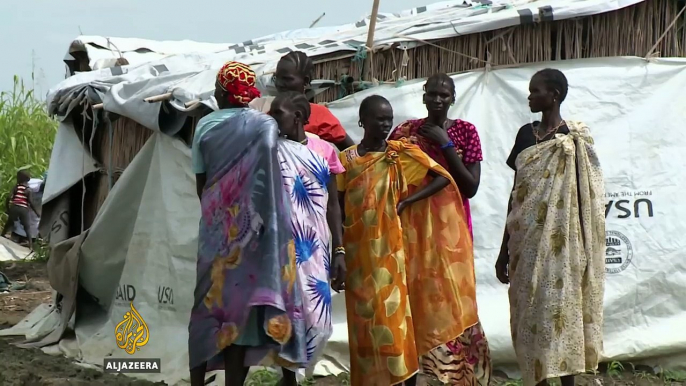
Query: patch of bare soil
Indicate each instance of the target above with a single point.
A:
(32, 367)
(610, 374)
(24, 367)
(32, 278)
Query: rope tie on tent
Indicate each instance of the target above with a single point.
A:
(342, 92)
(361, 54)
(651, 54)
(359, 58)
(109, 166)
(472, 58)
(96, 122)
(84, 115)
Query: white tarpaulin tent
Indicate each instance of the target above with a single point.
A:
(154, 212)
(141, 247)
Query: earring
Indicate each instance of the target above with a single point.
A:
(359, 124)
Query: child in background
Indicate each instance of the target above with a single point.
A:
(18, 204)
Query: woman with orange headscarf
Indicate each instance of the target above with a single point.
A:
(246, 296)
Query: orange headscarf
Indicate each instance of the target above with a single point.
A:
(238, 80)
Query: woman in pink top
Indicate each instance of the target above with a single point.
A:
(456, 146)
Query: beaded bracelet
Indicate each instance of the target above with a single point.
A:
(447, 145)
(339, 250)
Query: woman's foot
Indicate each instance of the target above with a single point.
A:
(411, 381)
(288, 379)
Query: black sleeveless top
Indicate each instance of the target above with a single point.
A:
(525, 139)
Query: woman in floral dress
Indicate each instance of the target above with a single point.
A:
(308, 167)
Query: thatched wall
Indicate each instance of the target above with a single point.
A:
(631, 31)
(128, 137)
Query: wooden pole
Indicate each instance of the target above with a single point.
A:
(370, 39)
(317, 20)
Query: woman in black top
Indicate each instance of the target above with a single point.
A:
(553, 249)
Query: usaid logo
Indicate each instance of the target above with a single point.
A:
(618, 252)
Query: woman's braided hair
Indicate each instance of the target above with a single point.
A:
(303, 63)
(298, 101)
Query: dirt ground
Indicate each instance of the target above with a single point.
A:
(32, 367)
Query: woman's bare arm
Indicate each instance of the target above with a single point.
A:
(345, 143)
(467, 177)
(434, 186)
(333, 214)
(200, 181)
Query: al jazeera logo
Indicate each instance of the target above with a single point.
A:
(131, 334)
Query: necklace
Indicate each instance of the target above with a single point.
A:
(550, 131)
(285, 136)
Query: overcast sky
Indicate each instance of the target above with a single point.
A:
(35, 34)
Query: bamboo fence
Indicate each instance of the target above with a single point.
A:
(631, 31)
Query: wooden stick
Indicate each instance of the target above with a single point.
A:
(317, 20)
(192, 104)
(97, 106)
(158, 98)
(370, 38)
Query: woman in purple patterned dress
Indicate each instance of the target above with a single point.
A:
(248, 304)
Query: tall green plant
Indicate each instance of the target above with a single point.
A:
(27, 133)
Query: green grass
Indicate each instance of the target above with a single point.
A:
(614, 369)
(265, 377)
(26, 136)
(674, 376)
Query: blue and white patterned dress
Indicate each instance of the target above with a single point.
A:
(306, 175)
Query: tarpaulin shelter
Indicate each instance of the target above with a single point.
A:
(120, 204)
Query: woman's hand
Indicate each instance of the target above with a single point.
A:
(434, 134)
(402, 205)
(502, 267)
(338, 272)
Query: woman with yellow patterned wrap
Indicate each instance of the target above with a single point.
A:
(553, 250)
(409, 288)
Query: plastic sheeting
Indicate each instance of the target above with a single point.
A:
(141, 249)
(154, 212)
(187, 70)
(69, 162)
(438, 20)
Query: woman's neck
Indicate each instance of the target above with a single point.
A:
(438, 119)
(372, 143)
(551, 118)
(300, 135)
